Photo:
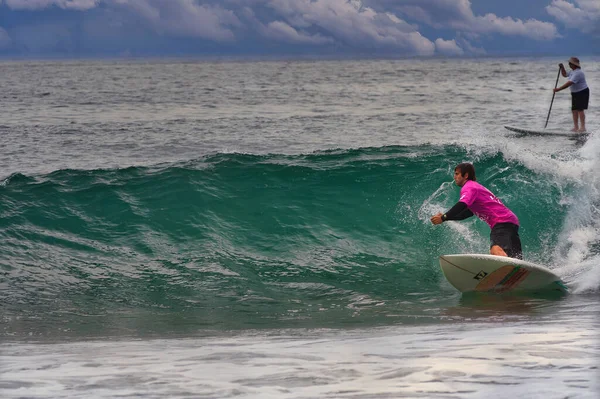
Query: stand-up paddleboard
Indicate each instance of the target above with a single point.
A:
(547, 132)
(498, 274)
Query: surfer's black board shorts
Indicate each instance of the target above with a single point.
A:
(506, 236)
(580, 100)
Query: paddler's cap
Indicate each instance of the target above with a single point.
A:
(574, 61)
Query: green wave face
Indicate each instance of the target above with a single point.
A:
(244, 241)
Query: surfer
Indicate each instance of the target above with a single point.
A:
(580, 92)
(478, 200)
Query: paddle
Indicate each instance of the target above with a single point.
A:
(553, 94)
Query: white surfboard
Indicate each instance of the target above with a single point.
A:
(498, 274)
(547, 132)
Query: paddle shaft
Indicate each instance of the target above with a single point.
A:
(553, 94)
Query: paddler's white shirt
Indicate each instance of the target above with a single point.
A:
(578, 78)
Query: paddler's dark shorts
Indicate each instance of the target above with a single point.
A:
(580, 100)
(506, 236)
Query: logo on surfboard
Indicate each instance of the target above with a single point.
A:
(480, 275)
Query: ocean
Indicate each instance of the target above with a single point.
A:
(260, 229)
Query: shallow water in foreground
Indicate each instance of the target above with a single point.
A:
(553, 357)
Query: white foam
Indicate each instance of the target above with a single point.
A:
(579, 247)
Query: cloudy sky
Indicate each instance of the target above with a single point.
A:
(397, 28)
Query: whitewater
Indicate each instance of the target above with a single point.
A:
(257, 229)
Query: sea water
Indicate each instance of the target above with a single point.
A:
(258, 229)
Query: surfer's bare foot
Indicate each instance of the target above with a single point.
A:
(582, 130)
(575, 129)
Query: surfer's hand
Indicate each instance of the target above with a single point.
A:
(561, 66)
(437, 219)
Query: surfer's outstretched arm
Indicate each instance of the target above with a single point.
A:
(460, 211)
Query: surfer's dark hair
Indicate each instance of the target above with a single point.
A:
(466, 167)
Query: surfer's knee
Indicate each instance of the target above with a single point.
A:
(497, 250)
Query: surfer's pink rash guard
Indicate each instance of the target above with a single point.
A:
(486, 205)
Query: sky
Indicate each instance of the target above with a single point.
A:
(346, 28)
